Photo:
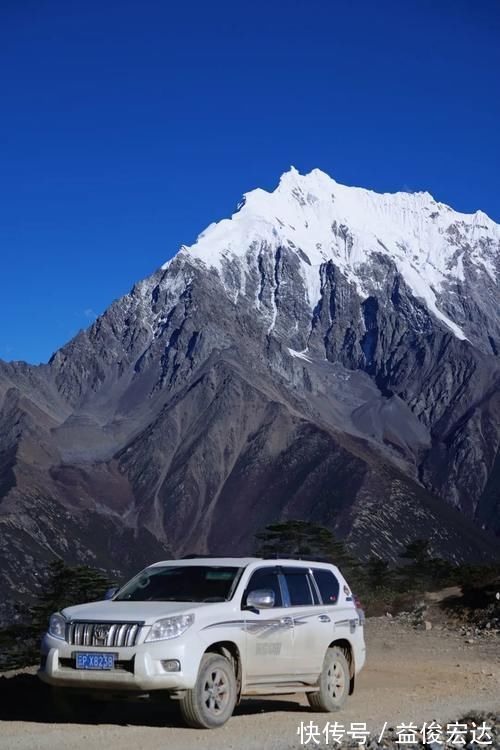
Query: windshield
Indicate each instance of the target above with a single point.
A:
(183, 583)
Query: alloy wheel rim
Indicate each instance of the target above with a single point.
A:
(216, 691)
(335, 680)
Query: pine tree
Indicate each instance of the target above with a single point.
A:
(378, 574)
(63, 587)
(423, 570)
(304, 539)
(417, 551)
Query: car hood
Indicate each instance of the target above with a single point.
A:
(116, 611)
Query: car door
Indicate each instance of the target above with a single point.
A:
(339, 598)
(268, 632)
(312, 626)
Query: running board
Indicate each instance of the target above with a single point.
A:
(279, 689)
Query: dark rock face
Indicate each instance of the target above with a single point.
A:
(218, 396)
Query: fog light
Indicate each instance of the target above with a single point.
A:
(171, 665)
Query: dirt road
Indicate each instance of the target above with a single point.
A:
(410, 676)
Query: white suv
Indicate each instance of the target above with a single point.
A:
(210, 630)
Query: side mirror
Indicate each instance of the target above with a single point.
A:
(260, 599)
(109, 594)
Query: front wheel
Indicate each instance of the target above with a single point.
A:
(333, 683)
(212, 700)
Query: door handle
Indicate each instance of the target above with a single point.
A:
(287, 621)
(324, 618)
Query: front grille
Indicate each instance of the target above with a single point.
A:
(122, 665)
(103, 633)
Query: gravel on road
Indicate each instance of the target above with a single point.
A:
(411, 676)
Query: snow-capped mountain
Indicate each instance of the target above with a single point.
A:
(326, 353)
(435, 250)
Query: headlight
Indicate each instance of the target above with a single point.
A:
(57, 626)
(170, 627)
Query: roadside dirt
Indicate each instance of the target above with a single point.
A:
(411, 676)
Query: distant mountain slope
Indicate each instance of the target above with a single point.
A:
(326, 353)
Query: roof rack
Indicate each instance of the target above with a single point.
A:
(213, 557)
(195, 557)
(304, 558)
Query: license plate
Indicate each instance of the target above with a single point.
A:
(94, 661)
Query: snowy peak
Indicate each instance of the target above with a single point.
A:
(321, 220)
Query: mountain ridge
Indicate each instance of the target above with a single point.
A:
(329, 210)
(259, 377)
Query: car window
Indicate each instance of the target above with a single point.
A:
(183, 583)
(299, 589)
(265, 578)
(327, 584)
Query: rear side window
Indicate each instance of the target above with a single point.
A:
(327, 584)
(265, 578)
(299, 590)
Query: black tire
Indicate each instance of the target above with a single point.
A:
(333, 683)
(212, 700)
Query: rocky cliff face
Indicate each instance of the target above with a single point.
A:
(327, 353)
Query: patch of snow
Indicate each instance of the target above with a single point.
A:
(299, 355)
(274, 315)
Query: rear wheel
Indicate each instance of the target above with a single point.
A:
(212, 700)
(333, 683)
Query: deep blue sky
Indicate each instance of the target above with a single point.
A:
(128, 126)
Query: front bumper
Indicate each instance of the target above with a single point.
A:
(140, 667)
